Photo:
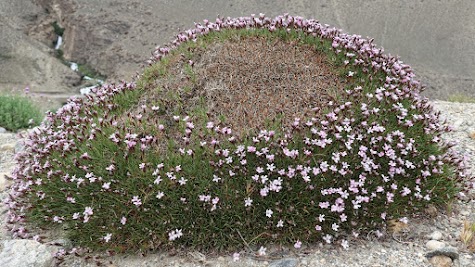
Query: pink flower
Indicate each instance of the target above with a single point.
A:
(88, 211)
(123, 220)
(298, 244)
(107, 237)
(136, 201)
(236, 257)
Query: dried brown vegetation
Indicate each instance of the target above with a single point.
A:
(249, 81)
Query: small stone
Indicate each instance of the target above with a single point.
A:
(2, 130)
(431, 210)
(436, 235)
(450, 252)
(434, 244)
(19, 146)
(464, 212)
(441, 261)
(472, 135)
(458, 123)
(4, 183)
(287, 262)
(7, 147)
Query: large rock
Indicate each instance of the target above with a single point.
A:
(25, 253)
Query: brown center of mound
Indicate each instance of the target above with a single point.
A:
(251, 81)
(255, 80)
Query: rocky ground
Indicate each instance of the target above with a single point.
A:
(433, 239)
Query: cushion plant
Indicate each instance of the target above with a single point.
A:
(243, 131)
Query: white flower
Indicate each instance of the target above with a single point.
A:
(107, 238)
(344, 244)
(160, 195)
(327, 238)
(404, 220)
(175, 234)
(262, 251)
(247, 202)
(236, 257)
(269, 213)
(280, 223)
(335, 227)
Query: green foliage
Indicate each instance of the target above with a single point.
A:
(89, 71)
(17, 112)
(57, 29)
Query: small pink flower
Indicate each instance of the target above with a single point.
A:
(136, 201)
(298, 244)
(107, 238)
(123, 220)
(236, 257)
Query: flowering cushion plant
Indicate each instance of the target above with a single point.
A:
(165, 161)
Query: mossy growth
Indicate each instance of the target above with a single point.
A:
(248, 132)
(58, 30)
(87, 70)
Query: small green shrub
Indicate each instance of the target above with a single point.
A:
(18, 112)
(87, 70)
(57, 29)
(316, 150)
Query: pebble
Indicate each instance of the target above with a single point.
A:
(434, 244)
(8, 147)
(450, 252)
(2, 130)
(436, 235)
(287, 262)
(441, 261)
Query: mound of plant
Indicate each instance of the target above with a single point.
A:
(18, 112)
(243, 132)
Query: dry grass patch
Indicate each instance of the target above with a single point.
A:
(250, 82)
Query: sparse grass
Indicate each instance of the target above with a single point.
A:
(467, 236)
(241, 138)
(57, 29)
(87, 70)
(461, 98)
(18, 112)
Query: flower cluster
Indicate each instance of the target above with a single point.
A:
(117, 175)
